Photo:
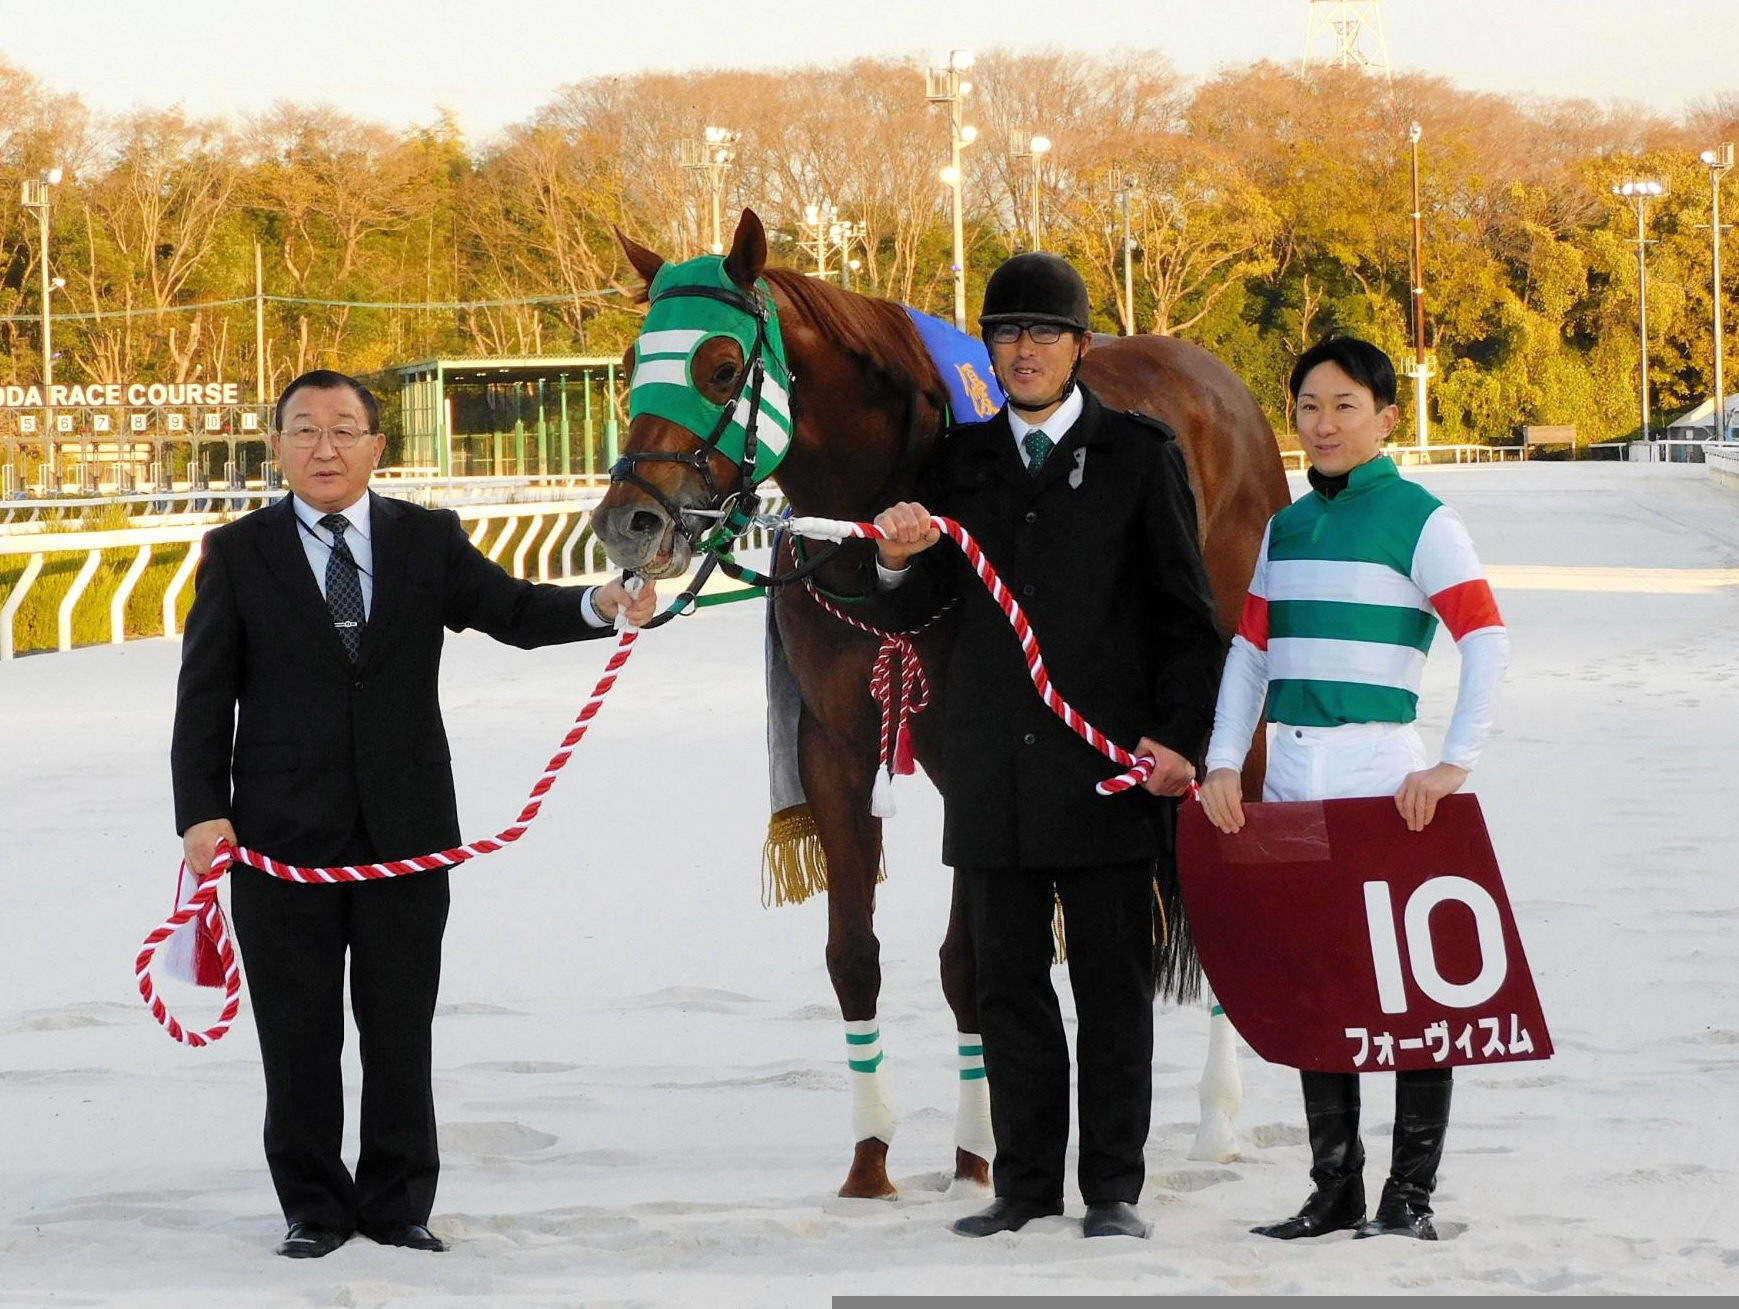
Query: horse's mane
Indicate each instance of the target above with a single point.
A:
(877, 331)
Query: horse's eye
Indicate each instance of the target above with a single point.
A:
(724, 373)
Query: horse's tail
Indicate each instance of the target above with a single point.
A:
(1177, 968)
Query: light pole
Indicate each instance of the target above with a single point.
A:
(710, 157)
(1127, 193)
(1421, 365)
(845, 235)
(1719, 162)
(820, 217)
(1037, 148)
(945, 86)
(35, 196)
(1639, 194)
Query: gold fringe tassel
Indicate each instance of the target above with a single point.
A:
(1060, 942)
(793, 867)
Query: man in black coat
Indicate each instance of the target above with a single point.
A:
(1087, 514)
(307, 722)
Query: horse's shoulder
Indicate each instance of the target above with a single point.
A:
(1152, 425)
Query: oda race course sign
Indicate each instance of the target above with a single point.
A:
(1338, 941)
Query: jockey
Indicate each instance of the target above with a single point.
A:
(1349, 587)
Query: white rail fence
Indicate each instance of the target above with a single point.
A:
(544, 541)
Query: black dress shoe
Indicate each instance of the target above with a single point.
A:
(1006, 1214)
(1114, 1218)
(307, 1241)
(412, 1236)
(1397, 1216)
(1336, 1206)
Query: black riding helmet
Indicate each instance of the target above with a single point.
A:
(1036, 287)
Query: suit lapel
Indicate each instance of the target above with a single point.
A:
(997, 451)
(387, 536)
(281, 546)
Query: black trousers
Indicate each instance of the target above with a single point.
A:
(294, 939)
(1108, 915)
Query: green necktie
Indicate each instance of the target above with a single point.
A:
(1038, 448)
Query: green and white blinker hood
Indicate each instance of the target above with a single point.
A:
(692, 302)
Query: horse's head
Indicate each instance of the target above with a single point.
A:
(709, 410)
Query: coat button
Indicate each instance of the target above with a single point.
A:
(1032, 516)
(359, 686)
(981, 479)
(1028, 589)
(1030, 739)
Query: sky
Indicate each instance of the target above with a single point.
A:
(493, 64)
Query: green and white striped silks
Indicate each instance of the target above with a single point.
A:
(676, 326)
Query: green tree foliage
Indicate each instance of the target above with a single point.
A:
(1267, 208)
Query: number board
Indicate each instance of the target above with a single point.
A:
(1339, 941)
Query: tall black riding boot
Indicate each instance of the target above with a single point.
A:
(1337, 1160)
(1421, 1122)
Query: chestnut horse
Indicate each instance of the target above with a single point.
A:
(864, 407)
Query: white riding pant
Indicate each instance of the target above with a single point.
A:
(1339, 763)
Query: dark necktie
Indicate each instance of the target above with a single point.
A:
(1038, 448)
(343, 587)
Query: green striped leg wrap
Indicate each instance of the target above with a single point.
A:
(972, 1111)
(872, 1112)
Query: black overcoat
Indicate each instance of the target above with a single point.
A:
(276, 731)
(1102, 552)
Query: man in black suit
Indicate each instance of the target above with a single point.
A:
(307, 721)
(1088, 516)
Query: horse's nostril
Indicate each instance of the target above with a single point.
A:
(646, 523)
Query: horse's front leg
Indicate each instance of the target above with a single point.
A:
(837, 779)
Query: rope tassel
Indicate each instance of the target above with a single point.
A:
(1136, 769)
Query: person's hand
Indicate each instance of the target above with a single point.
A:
(615, 597)
(199, 843)
(1222, 797)
(1172, 773)
(908, 531)
(1417, 799)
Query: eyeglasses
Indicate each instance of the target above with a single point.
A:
(1041, 333)
(305, 436)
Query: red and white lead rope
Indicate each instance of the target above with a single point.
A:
(203, 903)
(897, 698)
(1136, 768)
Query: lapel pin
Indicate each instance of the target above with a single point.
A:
(1080, 467)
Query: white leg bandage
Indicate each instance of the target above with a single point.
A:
(1221, 1093)
(972, 1114)
(872, 1111)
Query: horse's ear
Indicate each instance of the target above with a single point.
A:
(748, 256)
(645, 262)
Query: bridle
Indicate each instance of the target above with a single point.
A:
(732, 510)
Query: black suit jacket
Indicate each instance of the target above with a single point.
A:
(1101, 551)
(278, 732)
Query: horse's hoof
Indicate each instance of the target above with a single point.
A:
(971, 1176)
(868, 1179)
(1216, 1142)
(970, 1168)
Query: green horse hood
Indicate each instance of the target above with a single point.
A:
(683, 315)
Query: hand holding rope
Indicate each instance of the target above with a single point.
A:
(202, 904)
(1136, 768)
